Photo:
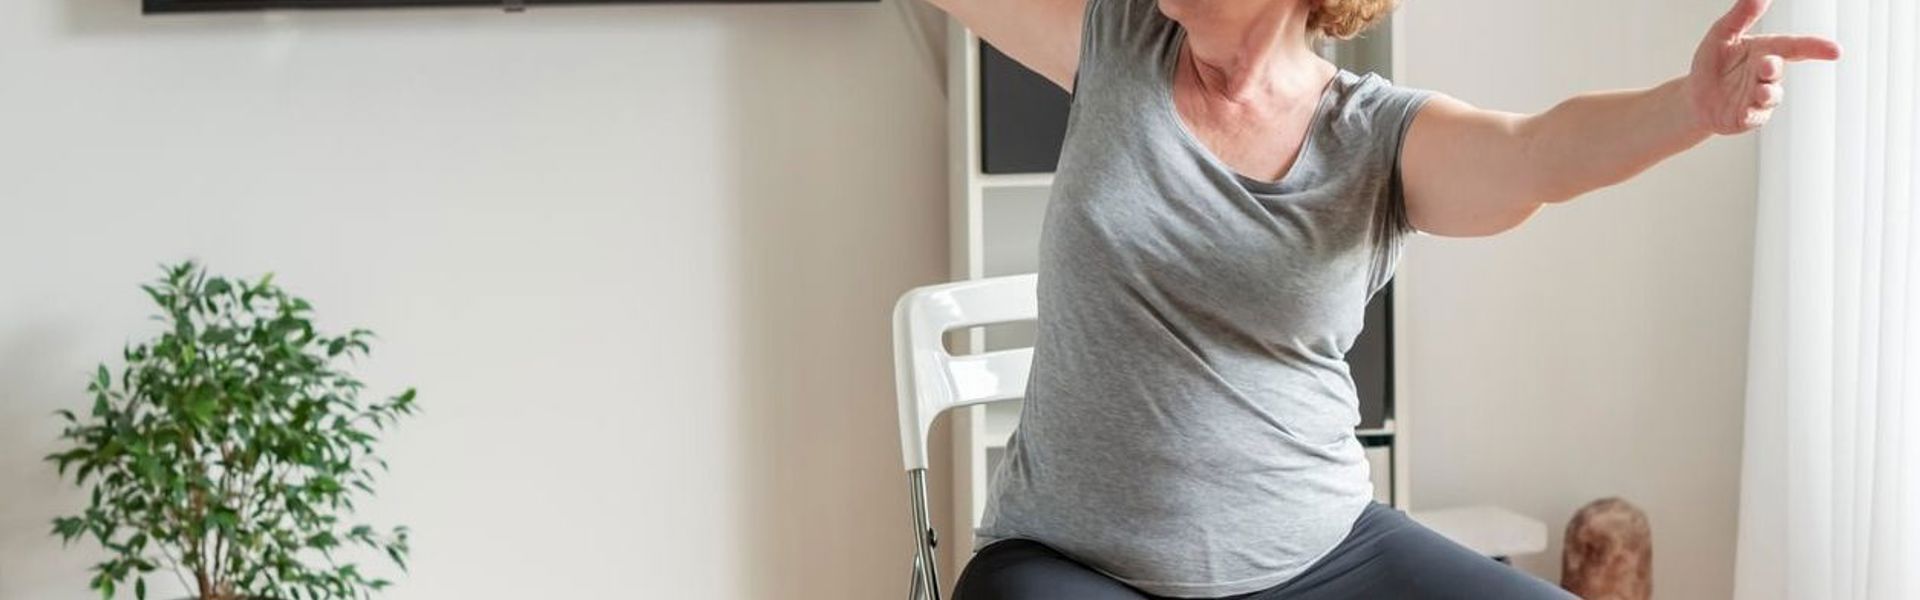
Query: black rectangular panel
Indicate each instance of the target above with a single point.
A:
(1371, 361)
(1023, 116)
(178, 6)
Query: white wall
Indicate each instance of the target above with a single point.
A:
(1599, 349)
(638, 260)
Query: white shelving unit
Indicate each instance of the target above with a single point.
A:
(995, 221)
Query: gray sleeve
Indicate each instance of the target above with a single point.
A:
(1393, 111)
(1090, 38)
(1115, 33)
(1389, 111)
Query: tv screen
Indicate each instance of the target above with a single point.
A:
(176, 6)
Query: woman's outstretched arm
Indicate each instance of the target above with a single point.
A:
(1474, 172)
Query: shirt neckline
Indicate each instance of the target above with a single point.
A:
(1170, 111)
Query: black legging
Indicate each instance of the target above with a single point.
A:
(1387, 555)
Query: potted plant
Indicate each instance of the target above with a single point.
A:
(230, 449)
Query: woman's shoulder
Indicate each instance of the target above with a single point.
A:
(1370, 90)
(1125, 13)
(1124, 30)
(1370, 100)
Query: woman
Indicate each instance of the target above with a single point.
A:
(1226, 204)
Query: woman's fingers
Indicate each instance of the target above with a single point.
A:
(1768, 95)
(1795, 47)
(1771, 68)
(1742, 17)
(1775, 51)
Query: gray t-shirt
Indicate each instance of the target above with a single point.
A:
(1189, 421)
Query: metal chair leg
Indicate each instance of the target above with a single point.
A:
(913, 579)
(927, 575)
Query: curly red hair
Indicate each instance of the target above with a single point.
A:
(1342, 19)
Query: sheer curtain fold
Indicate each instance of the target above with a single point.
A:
(1830, 489)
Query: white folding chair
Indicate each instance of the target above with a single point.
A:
(930, 380)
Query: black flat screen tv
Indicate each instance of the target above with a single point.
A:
(180, 6)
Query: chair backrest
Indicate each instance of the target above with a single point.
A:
(931, 380)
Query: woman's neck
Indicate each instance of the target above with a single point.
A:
(1241, 58)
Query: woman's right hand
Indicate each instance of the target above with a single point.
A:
(1736, 77)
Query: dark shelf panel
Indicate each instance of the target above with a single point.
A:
(1371, 361)
(1023, 117)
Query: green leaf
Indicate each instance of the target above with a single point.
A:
(399, 556)
(222, 518)
(322, 540)
(140, 588)
(69, 528)
(158, 297)
(64, 459)
(201, 406)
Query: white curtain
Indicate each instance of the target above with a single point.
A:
(1830, 490)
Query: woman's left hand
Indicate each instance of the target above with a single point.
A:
(1735, 83)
